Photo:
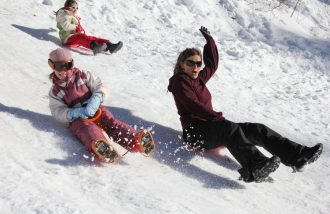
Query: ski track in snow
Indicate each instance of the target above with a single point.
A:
(273, 69)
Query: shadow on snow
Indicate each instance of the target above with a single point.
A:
(44, 35)
(169, 147)
(41, 34)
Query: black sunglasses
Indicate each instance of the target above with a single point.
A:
(60, 66)
(192, 63)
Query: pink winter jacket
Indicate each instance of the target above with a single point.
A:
(72, 92)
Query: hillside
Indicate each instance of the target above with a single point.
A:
(274, 69)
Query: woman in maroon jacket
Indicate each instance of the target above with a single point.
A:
(204, 128)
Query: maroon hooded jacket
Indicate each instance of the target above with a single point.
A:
(192, 98)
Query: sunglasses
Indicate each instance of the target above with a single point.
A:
(192, 63)
(60, 66)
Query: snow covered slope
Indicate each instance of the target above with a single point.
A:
(274, 69)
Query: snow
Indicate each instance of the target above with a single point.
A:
(274, 69)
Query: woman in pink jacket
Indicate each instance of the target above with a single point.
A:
(72, 33)
(75, 96)
(204, 128)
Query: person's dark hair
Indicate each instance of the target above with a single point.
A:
(183, 56)
(67, 4)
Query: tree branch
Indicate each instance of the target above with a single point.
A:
(294, 9)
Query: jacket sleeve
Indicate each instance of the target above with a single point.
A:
(58, 108)
(183, 91)
(210, 58)
(65, 20)
(95, 84)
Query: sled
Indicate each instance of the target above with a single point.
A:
(102, 149)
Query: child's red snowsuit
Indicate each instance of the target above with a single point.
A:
(72, 33)
(73, 92)
(81, 39)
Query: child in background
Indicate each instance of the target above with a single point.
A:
(72, 33)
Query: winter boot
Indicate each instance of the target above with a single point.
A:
(97, 48)
(105, 152)
(143, 143)
(113, 48)
(262, 171)
(246, 175)
(308, 155)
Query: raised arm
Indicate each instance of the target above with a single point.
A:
(210, 56)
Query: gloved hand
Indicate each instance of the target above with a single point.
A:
(75, 113)
(79, 29)
(205, 32)
(93, 104)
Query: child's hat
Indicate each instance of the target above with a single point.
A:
(60, 55)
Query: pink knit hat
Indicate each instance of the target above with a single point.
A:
(60, 55)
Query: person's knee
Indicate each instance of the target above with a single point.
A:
(255, 128)
(263, 129)
(234, 129)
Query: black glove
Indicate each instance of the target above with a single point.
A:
(205, 32)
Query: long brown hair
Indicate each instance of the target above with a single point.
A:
(67, 4)
(188, 52)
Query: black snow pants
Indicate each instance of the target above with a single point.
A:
(241, 140)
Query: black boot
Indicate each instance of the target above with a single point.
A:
(262, 170)
(246, 175)
(97, 48)
(113, 48)
(308, 155)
